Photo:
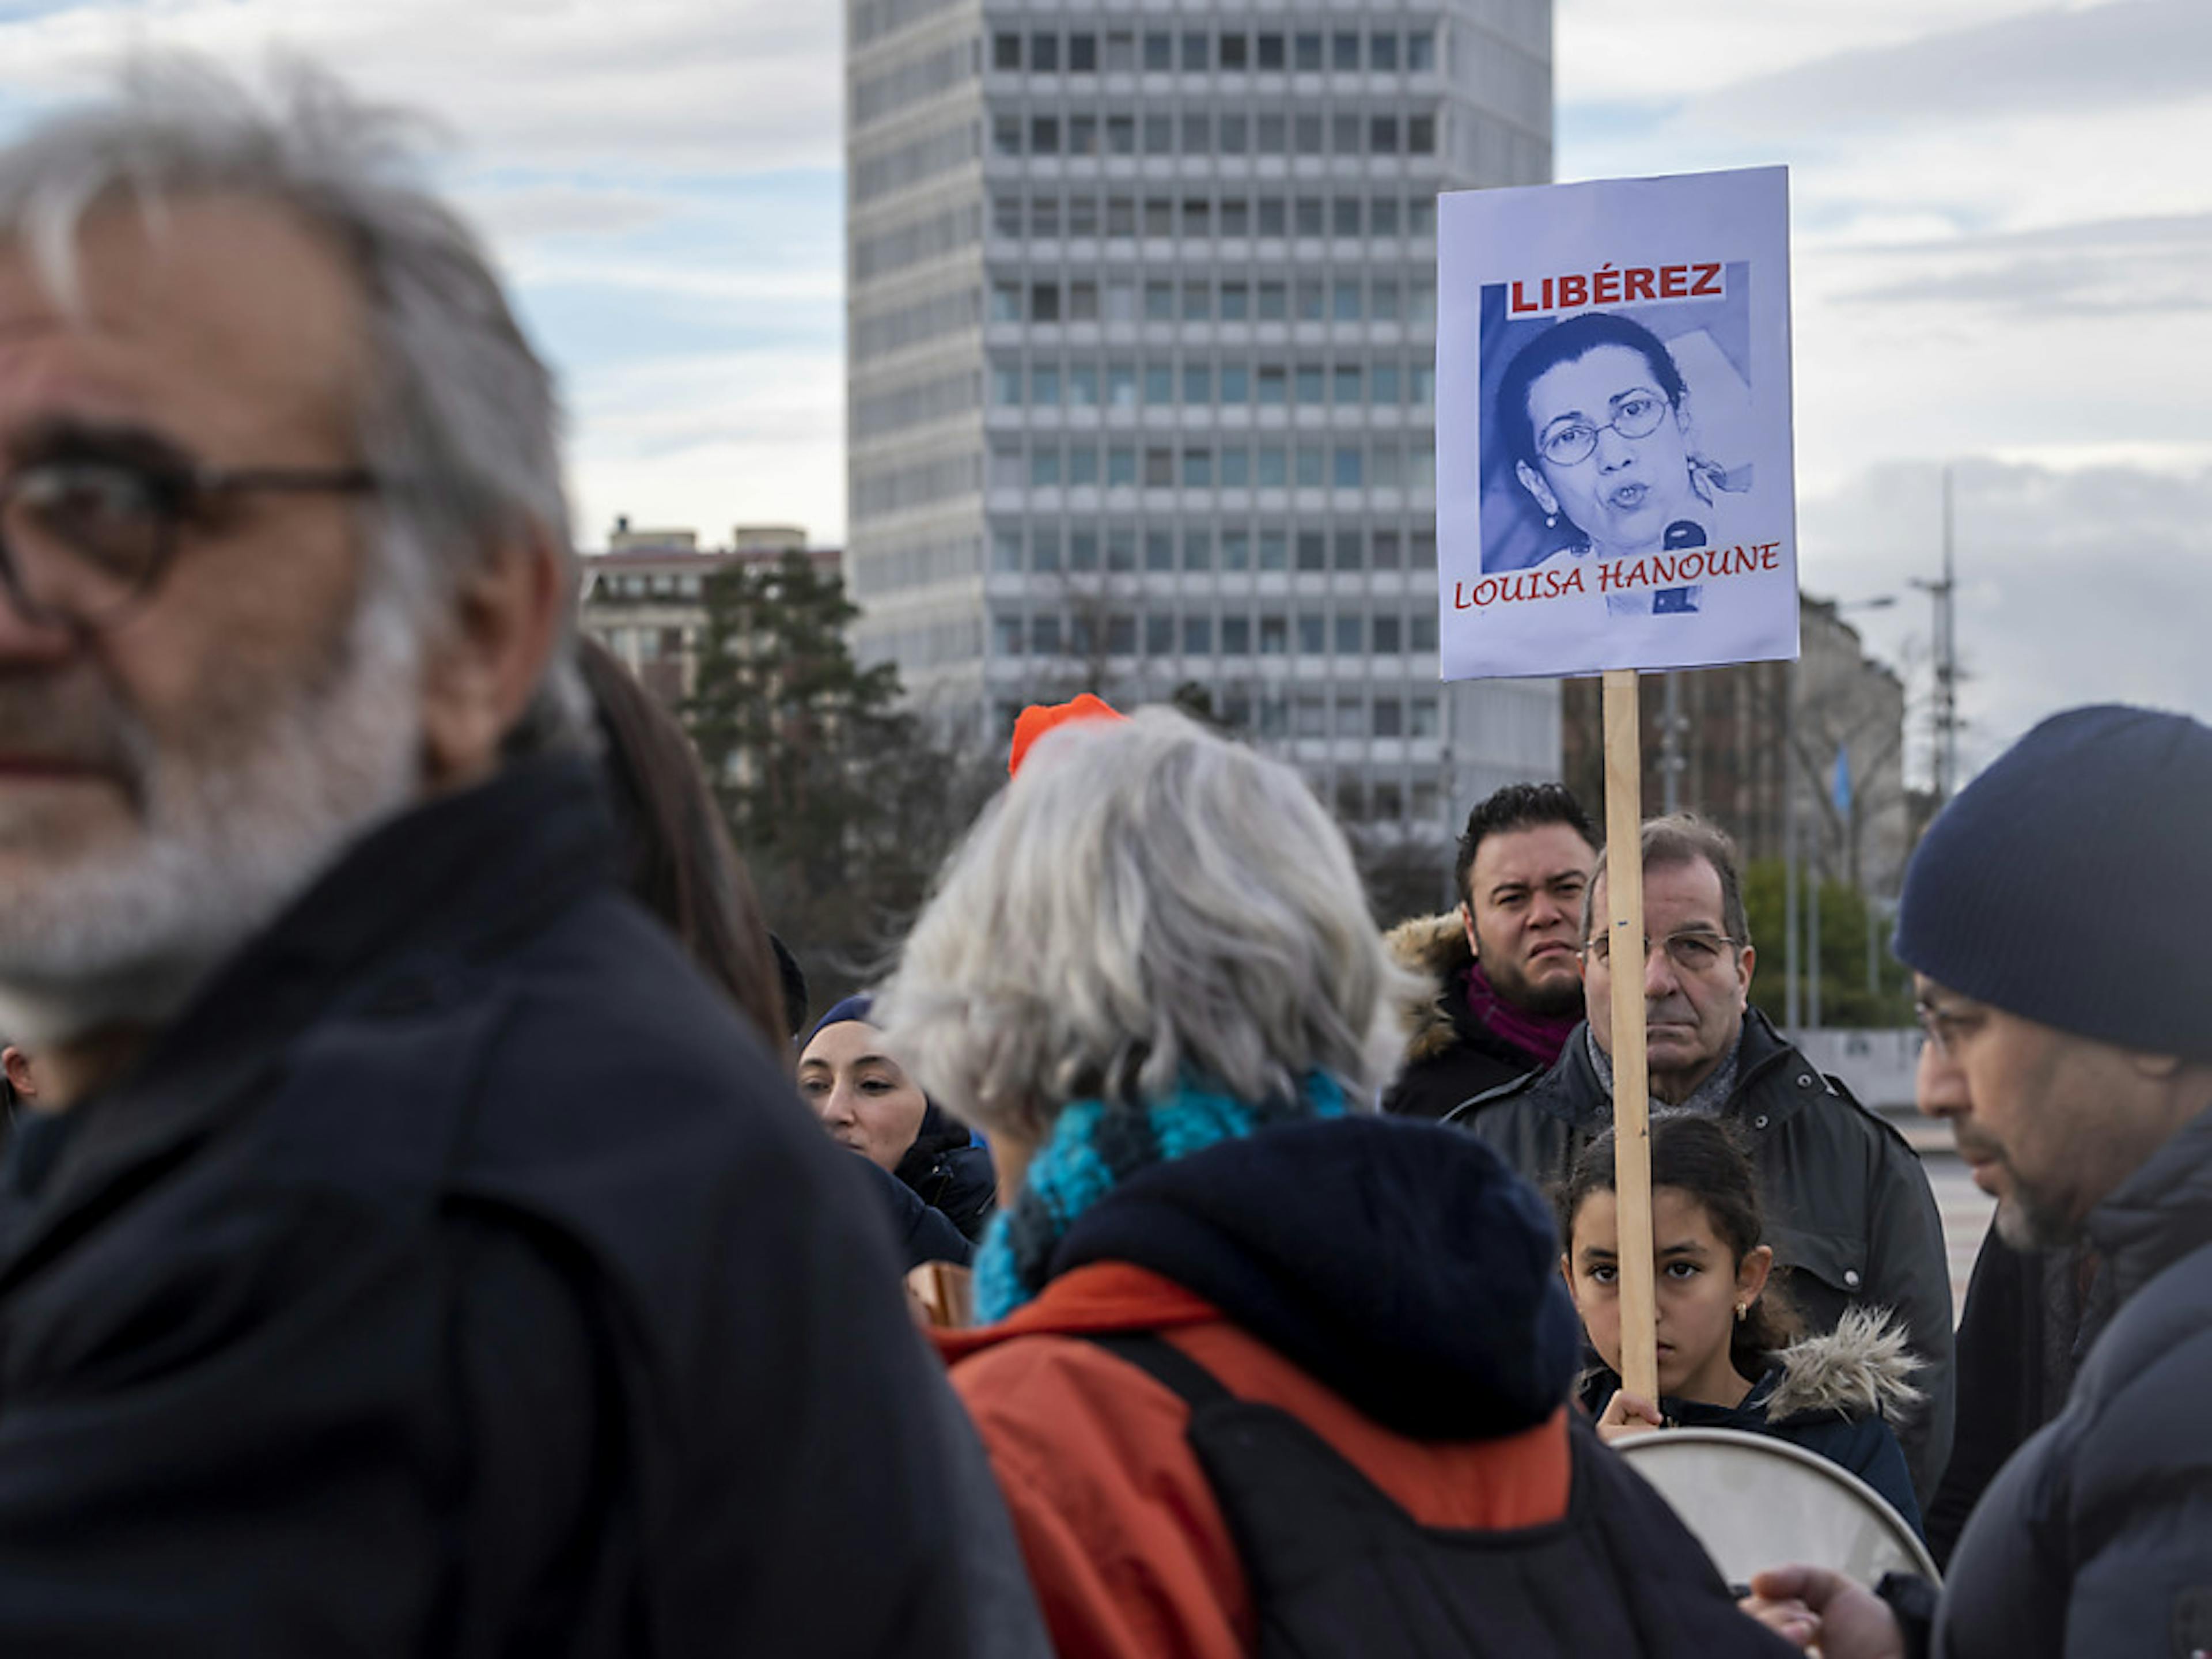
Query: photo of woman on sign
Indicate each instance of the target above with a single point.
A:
(1596, 415)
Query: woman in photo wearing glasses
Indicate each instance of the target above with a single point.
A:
(1596, 417)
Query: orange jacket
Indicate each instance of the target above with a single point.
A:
(1128, 1552)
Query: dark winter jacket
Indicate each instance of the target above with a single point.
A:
(2096, 1539)
(2020, 1338)
(921, 1233)
(1837, 1394)
(951, 1173)
(459, 1276)
(1393, 1290)
(1848, 1210)
(1451, 1056)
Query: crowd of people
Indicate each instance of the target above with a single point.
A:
(415, 1236)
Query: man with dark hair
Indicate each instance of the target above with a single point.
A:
(1508, 980)
(2046, 918)
(1850, 1212)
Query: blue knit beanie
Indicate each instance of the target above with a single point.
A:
(2068, 884)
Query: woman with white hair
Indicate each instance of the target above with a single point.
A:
(1247, 1342)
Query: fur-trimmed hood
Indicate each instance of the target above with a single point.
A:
(1435, 948)
(1861, 1369)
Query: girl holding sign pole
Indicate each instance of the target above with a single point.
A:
(1731, 1353)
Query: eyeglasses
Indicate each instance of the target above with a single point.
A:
(1635, 415)
(82, 542)
(1945, 1026)
(1693, 953)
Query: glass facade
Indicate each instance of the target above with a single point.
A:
(1141, 349)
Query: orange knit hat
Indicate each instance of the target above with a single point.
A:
(1040, 718)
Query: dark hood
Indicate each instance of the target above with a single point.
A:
(1401, 1264)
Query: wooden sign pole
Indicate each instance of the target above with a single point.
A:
(1632, 1117)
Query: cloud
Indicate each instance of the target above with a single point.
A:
(2081, 585)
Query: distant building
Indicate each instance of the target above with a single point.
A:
(1142, 332)
(645, 597)
(1736, 766)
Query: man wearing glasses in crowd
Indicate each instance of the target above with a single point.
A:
(1849, 1209)
(412, 1253)
(2051, 917)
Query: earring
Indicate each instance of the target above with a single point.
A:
(1551, 521)
(1742, 1310)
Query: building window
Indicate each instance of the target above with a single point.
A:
(1082, 550)
(1044, 548)
(1313, 633)
(1159, 51)
(1005, 52)
(1275, 302)
(1198, 469)
(1120, 216)
(1270, 467)
(1082, 385)
(1007, 635)
(1159, 635)
(1271, 135)
(1236, 297)
(1344, 216)
(1044, 636)
(1420, 135)
(1350, 716)
(1159, 549)
(1083, 465)
(1382, 136)
(1007, 550)
(1083, 215)
(1235, 550)
(1120, 52)
(1423, 549)
(1268, 51)
(1120, 134)
(1272, 222)
(1006, 388)
(1121, 637)
(1306, 53)
(1309, 216)
(1235, 216)
(1425, 632)
(1383, 216)
(1235, 636)
(1159, 219)
(1121, 468)
(1197, 297)
(1159, 135)
(1197, 50)
(1309, 716)
(1236, 383)
(1274, 551)
(1044, 302)
(1197, 551)
(1421, 50)
(1384, 635)
(1351, 636)
(1044, 386)
(1346, 306)
(1082, 54)
(1422, 721)
(1006, 215)
(1120, 549)
(1274, 635)
(1351, 549)
(1234, 132)
(1044, 467)
(1197, 636)
(1007, 135)
(1313, 300)
(1312, 550)
(1044, 135)
(1346, 382)
(1159, 385)
(1344, 135)
(1382, 53)
(1198, 135)
(1235, 52)
(1082, 134)
(1311, 474)
(1306, 135)
(1383, 384)
(1198, 385)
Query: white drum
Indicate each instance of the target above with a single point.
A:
(1755, 1502)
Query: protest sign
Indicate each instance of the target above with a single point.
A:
(1614, 479)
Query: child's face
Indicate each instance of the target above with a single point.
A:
(1700, 1286)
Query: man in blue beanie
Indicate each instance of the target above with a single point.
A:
(2050, 917)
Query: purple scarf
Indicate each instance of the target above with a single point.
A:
(1541, 1036)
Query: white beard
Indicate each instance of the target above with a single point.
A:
(226, 844)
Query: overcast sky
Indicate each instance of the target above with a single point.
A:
(2002, 225)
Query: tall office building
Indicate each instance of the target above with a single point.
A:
(1142, 325)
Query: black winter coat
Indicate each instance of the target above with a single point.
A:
(951, 1173)
(1451, 1056)
(1848, 1210)
(458, 1276)
(2096, 1539)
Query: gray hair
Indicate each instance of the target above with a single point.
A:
(460, 423)
(1686, 838)
(1146, 903)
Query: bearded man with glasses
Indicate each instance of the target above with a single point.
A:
(411, 1252)
(1849, 1209)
